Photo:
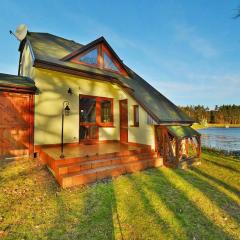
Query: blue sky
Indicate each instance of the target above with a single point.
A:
(188, 50)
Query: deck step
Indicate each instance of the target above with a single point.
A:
(91, 164)
(102, 156)
(92, 175)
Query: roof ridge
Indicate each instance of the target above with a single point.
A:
(56, 36)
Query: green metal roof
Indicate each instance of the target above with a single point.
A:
(51, 49)
(8, 80)
(182, 131)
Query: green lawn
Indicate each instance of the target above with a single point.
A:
(199, 203)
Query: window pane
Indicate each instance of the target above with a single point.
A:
(90, 57)
(87, 110)
(136, 115)
(106, 115)
(108, 63)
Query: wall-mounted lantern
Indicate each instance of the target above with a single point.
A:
(70, 92)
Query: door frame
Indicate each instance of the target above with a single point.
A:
(87, 124)
(97, 122)
(124, 134)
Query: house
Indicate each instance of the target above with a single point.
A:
(117, 121)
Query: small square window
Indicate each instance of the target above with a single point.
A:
(136, 115)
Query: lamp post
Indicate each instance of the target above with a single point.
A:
(65, 112)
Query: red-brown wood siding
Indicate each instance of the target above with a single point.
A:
(16, 124)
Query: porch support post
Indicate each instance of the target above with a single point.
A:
(199, 146)
(186, 146)
(156, 139)
(163, 144)
(177, 152)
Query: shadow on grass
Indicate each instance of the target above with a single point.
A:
(85, 214)
(194, 222)
(221, 165)
(229, 158)
(216, 180)
(219, 198)
(166, 228)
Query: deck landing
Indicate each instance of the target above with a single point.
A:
(88, 163)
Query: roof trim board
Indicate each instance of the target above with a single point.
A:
(182, 132)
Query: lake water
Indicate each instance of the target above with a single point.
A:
(222, 138)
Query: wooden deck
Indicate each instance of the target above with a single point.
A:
(88, 163)
(83, 150)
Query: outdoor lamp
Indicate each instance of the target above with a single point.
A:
(65, 112)
(70, 91)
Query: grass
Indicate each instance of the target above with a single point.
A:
(200, 203)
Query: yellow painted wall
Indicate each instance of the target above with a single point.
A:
(26, 65)
(53, 88)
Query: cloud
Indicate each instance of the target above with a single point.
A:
(208, 89)
(198, 43)
(182, 81)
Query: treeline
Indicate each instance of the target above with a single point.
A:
(225, 114)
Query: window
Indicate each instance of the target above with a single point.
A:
(96, 111)
(135, 115)
(108, 63)
(100, 56)
(90, 57)
(106, 111)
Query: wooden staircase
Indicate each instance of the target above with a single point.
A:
(77, 171)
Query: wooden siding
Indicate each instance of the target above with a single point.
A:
(16, 124)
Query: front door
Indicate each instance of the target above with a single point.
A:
(123, 112)
(88, 130)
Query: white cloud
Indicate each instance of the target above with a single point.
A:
(207, 89)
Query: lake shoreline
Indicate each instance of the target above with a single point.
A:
(199, 126)
(235, 154)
